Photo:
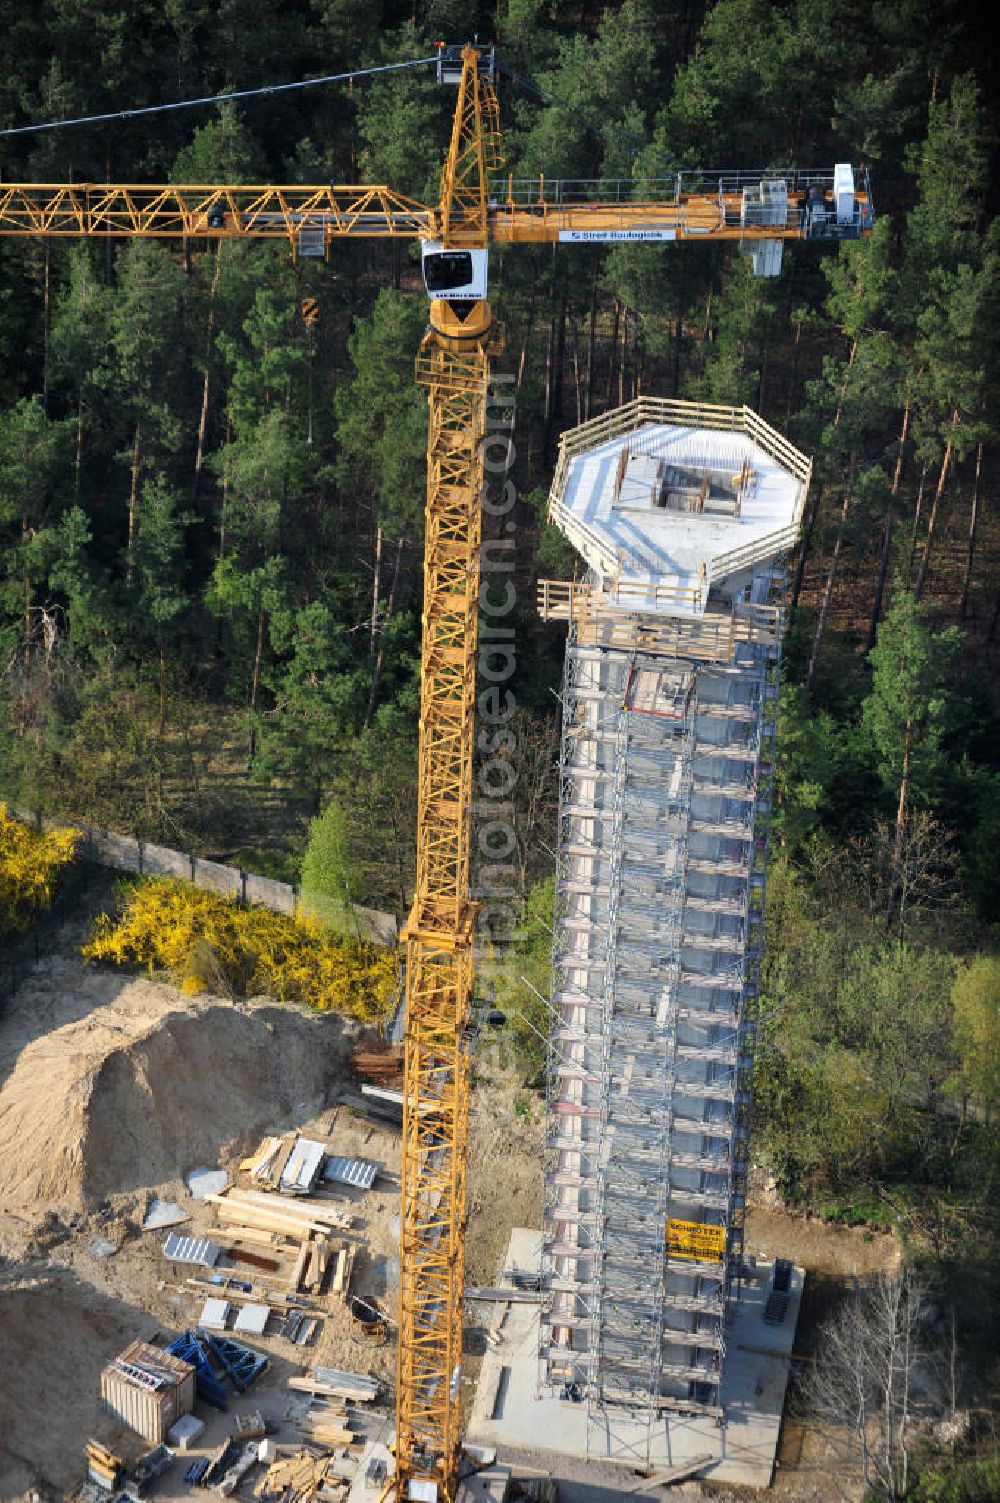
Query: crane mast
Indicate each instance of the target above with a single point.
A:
(453, 364)
(758, 210)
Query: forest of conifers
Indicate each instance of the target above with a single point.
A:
(211, 513)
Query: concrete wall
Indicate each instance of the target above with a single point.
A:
(125, 853)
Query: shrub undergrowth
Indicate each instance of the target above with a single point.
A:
(30, 866)
(211, 942)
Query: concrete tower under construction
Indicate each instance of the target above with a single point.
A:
(683, 515)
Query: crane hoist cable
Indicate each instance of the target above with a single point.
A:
(262, 91)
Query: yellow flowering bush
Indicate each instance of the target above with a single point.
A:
(30, 867)
(208, 941)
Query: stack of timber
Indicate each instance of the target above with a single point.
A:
(341, 1281)
(334, 1383)
(269, 1213)
(378, 1062)
(302, 1478)
(267, 1165)
(331, 1427)
(103, 1466)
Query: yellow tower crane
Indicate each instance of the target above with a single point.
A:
(761, 211)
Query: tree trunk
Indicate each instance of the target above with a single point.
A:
(949, 449)
(916, 522)
(389, 607)
(963, 604)
(46, 325)
(793, 380)
(807, 532)
(614, 354)
(133, 501)
(375, 589)
(163, 690)
(800, 567)
(591, 337)
(765, 351)
(624, 358)
(560, 362)
(830, 580)
(577, 378)
(550, 345)
(897, 844)
(529, 325)
(225, 492)
(26, 585)
(254, 689)
(883, 568)
(199, 458)
(78, 458)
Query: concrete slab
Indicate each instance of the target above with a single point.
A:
(183, 1435)
(367, 1488)
(214, 1314)
(611, 507)
(202, 1182)
(512, 1412)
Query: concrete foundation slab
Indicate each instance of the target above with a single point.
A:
(511, 1412)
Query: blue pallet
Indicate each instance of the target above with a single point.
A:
(192, 1346)
(196, 1471)
(242, 1364)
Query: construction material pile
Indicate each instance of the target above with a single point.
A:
(379, 1062)
(303, 1478)
(288, 1236)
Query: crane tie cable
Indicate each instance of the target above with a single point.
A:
(187, 104)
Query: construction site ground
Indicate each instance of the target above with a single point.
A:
(113, 1087)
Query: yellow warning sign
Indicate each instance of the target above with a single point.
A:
(310, 311)
(693, 1239)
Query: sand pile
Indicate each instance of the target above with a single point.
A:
(139, 1083)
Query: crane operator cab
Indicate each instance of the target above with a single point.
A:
(454, 274)
(456, 283)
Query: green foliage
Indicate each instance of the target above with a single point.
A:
(965, 1480)
(731, 361)
(906, 713)
(523, 978)
(858, 1046)
(382, 414)
(976, 1000)
(329, 878)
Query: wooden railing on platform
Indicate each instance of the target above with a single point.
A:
(666, 411)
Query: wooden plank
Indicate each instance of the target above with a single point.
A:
(297, 1274)
(345, 1288)
(330, 1390)
(673, 1474)
(295, 1209)
(277, 1169)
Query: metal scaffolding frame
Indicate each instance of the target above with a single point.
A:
(666, 763)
